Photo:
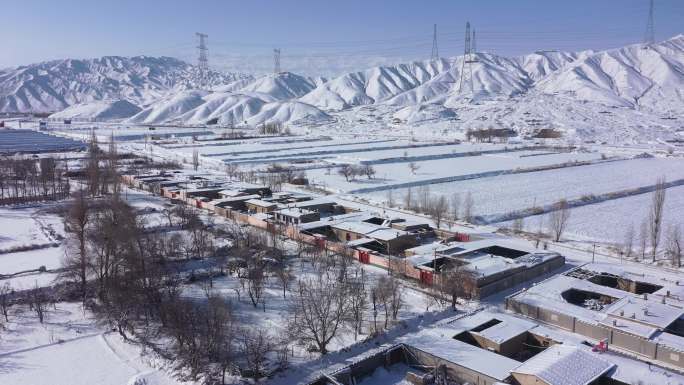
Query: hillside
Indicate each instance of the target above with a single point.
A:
(628, 92)
(55, 85)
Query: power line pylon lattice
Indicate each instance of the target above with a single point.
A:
(649, 36)
(435, 50)
(466, 66)
(276, 60)
(202, 60)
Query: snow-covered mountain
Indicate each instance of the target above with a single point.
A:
(99, 110)
(55, 85)
(270, 98)
(579, 92)
(651, 77)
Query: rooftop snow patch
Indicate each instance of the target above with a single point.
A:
(565, 365)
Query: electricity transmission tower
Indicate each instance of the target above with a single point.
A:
(649, 37)
(473, 45)
(276, 60)
(202, 60)
(466, 65)
(435, 50)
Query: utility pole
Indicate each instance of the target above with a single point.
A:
(649, 37)
(276, 60)
(435, 51)
(202, 60)
(466, 65)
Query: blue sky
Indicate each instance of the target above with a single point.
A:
(316, 34)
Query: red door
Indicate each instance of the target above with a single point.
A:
(426, 277)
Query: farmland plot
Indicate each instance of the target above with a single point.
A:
(398, 175)
(609, 221)
(499, 195)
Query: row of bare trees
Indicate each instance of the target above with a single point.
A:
(28, 179)
(438, 207)
(350, 171)
(649, 241)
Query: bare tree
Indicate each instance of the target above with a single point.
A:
(232, 170)
(643, 239)
(675, 245)
(255, 283)
(468, 207)
(93, 166)
(368, 170)
(195, 159)
(389, 292)
(285, 277)
(256, 345)
(347, 171)
(37, 300)
(408, 199)
(358, 300)
(518, 225)
(76, 261)
(558, 219)
(458, 282)
(5, 302)
(655, 216)
(319, 308)
(390, 198)
(455, 206)
(424, 198)
(438, 209)
(413, 167)
(628, 243)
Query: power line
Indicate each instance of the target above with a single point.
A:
(435, 50)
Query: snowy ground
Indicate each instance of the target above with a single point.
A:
(277, 313)
(28, 226)
(394, 175)
(495, 196)
(70, 348)
(610, 220)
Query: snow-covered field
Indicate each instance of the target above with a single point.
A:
(505, 193)
(28, 226)
(609, 221)
(70, 348)
(393, 175)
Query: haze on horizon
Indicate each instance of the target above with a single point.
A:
(321, 38)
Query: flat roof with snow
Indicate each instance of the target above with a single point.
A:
(565, 365)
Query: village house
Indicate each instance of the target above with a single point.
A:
(259, 206)
(633, 308)
(495, 348)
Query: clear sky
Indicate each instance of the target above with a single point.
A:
(319, 35)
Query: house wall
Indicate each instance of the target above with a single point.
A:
(454, 371)
(632, 343)
(526, 379)
(521, 276)
(670, 356)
